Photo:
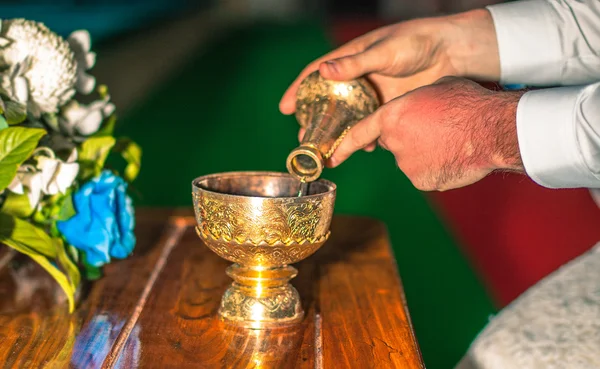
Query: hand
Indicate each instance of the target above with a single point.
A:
(408, 55)
(446, 135)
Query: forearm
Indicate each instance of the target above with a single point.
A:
(534, 42)
(500, 130)
(553, 134)
(472, 46)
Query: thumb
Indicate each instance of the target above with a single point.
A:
(354, 66)
(363, 134)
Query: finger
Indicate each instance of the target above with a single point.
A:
(446, 79)
(359, 137)
(372, 60)
(287, 105)
(371, 147)
(301, 133)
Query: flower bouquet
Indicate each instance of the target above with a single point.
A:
(60, 204)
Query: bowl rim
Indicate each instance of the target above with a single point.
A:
(332, 186)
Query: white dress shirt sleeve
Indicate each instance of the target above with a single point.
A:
(550, 43)
(559, 136)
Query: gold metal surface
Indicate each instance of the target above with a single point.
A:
(257, 221)
(327, 110)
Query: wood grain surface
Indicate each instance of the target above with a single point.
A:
(157, 309)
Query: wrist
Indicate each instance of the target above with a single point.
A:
(499, 115)
(472, 46)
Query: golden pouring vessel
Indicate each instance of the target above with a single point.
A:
(257, 220)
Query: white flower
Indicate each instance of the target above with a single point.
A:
(14, 84)
(28, 178)
(57, 175)
(81, 43)
(50, 64)
(83, 120)
(50, 176)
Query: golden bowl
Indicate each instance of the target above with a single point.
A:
(257, 221)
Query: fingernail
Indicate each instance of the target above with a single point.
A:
(332, 65)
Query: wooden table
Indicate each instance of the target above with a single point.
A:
(157, 309)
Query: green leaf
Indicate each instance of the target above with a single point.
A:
(15, 112)
(66, 263)
(17, 205)
(91, 272)
(59, 206)
(25, 233)
(67, 210)
(102, 91)
(132, 153)
(92, 155)
(40, 216)
(3, 123)
(73, 253)
(11, 234)
(16, 145)
(51, 120)
(59, 276)
(107, 128)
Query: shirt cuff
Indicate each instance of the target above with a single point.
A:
(547, 134)
(528, 43)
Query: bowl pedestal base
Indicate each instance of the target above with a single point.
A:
(261, 298)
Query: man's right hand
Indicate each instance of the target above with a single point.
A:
(405, 56)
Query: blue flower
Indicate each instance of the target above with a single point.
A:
(103, 224)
